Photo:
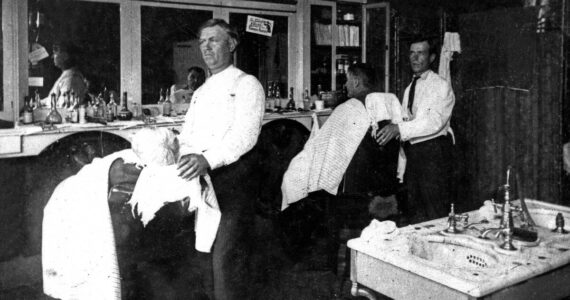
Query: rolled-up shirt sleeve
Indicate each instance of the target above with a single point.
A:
(242, 135)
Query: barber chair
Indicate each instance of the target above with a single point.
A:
(143, 253)
(368, 192)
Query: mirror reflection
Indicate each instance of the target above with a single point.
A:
(73, 46)
(169, 50)
(265, 57)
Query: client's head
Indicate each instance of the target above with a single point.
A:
(155, 146)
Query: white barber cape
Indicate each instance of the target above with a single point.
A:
(326, 155)
(79, 259)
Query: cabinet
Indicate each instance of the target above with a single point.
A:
(343, 33)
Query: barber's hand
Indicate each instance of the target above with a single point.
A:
(386, 134)
(192, 165)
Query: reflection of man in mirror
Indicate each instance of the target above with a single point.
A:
(65, 57)
(196, 77)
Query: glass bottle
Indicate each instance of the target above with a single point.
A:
(291, 103)
(167, 105)
(161, 98)
(37, 100)
(307, 100)
(53, 117)
(277, 95)
(124, 114)
(28, 113)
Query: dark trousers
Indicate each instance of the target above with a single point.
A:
(235, 187)
(428, 179)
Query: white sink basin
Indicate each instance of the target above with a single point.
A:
(453, 253)
(469, 264)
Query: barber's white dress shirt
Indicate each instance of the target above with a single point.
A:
(431, 110)
(225, 117)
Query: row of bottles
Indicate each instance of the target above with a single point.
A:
(71, 111)
(275, 103)
(165, 102)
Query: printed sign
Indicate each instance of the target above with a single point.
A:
(38, 53)
(259, 26)
(36, 81)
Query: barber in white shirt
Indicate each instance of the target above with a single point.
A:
(428, 103)
(221, 127)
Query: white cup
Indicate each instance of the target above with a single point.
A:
(319, 104)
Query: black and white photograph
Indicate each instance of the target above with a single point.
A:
(284, 149)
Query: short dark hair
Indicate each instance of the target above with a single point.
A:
(229, 29)
(201, 73)
(432, 42)
(365, 73)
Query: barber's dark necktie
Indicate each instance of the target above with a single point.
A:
(412, 93)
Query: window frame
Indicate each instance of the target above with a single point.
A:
(15, 41)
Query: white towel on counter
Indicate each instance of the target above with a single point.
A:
(158, 185)
(323, 161)
(451, 43)
(79, 259)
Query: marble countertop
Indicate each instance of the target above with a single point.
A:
(550, 252)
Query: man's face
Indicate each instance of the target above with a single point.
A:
(216, 47)
(192, 80)
(59, 58)
(420, 59)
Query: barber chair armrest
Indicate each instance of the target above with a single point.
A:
(121, 193)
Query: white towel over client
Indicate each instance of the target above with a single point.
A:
(159, 183)
(328, 152)
(79, 258)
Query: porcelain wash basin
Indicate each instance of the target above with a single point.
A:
(453, 253)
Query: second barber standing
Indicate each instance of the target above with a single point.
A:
(426, 135)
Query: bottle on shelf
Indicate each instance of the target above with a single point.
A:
(53, 117)
(161, 97)
(28, 112)
(124, 114)
(101, 107)
(112, 107)
(291, 103)
(306, 100)
(37, 100)
(277, 95)
(167, 105)
(74, 111)
(82, 111)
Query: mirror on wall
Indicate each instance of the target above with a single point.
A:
(90, 30)
(261, 53)
(169, 47)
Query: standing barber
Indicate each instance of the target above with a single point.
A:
(221, 127)
(427, 105)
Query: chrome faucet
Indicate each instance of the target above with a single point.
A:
(452, 220)
(506, 228)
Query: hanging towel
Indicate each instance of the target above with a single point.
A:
(451, 43)
(79, 258)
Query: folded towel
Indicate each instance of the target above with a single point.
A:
(377, 230)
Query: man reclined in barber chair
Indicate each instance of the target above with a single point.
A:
(343, 151)
(93, 244)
